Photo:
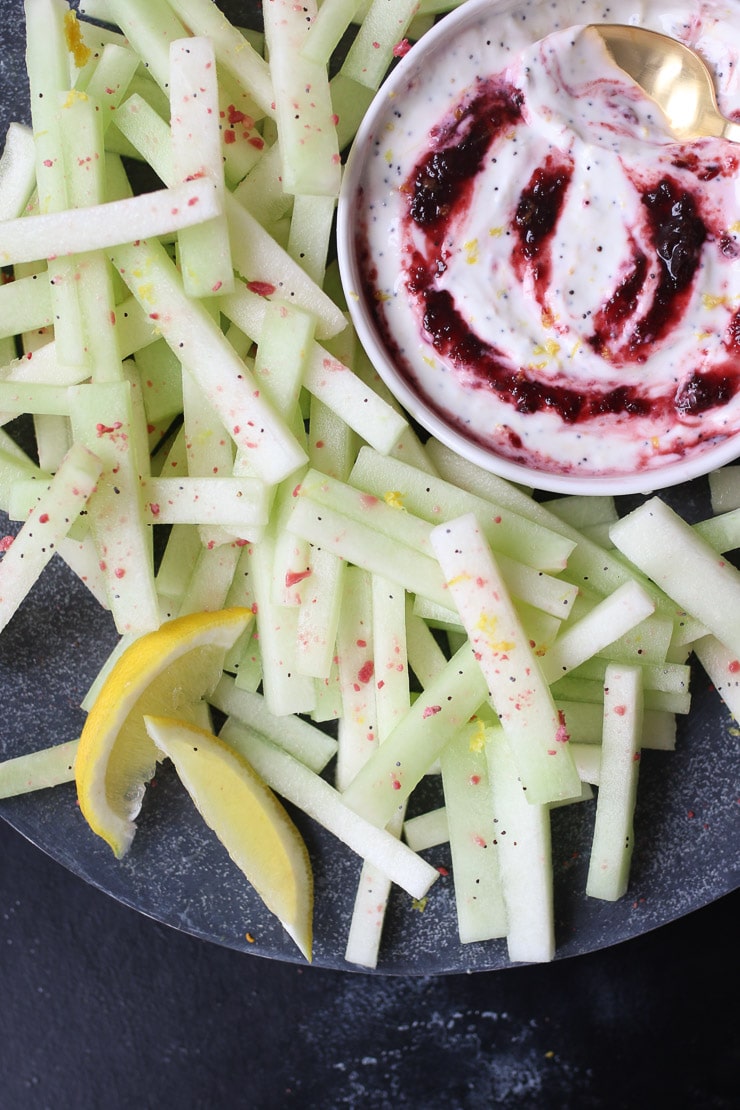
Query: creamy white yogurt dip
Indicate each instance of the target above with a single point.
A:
(555, 276)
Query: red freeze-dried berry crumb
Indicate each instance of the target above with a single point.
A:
(430, 711)
(366, 671)
(6, 542)
(401, 49)
(293, 577)
(261, 288)
(562, 733)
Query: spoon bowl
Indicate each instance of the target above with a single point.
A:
(671, 74)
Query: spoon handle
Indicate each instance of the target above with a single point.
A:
(731, 131)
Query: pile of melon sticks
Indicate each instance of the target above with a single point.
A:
(186, 358)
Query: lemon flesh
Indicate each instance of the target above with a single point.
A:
(247, 818)
(164, 673)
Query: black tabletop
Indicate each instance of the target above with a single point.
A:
(103, 1007)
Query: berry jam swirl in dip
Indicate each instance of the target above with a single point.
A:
(553, 274)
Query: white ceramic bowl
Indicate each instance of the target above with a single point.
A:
(403, 83)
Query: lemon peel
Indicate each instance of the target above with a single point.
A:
(164, 672)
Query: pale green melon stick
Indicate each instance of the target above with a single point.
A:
(613, 838)
(312, 794)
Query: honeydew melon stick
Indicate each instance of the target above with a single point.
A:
(329, 379)
(518, 688)
(584, 722)
(409, 447)
(523, 840)
(613, 838)
(382, 28)
(309, 792)
(392, 702)
(209, 584)
(17, 468)
(260, 190)
(390, 654)
(25, 304)
(149, 29)
(35, 544)
(204, 352)
(110, 80)
(332, 444)
(177, 563)
(81, 130)
(304, 113)
(102, 420)
(362, 545)
(19, 397)
(427, 830)
(257, 256)
(298, 737)
(589, 565)
(667, 549)
(669, 677)
(627, 607)
(435, 500)
(47, 65)
(58, 234)
(571, 688)
(233, 49)
(286, 689)
(322, 505)
(425, 656)
(357, 735)
(318, 614)
(395, 769)
(310, 233)
(481, 913)
(721, 532)
(285, 338)
(17, 171)
(350, 100)
(325, 33)
(208, 446)
(723, 668)
(239, 504)
(38, 770)
(588, 761)
(724, 489)
(204, 250)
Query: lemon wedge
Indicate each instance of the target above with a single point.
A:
(247, 818)
(164, 673)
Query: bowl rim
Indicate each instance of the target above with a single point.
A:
(697, 464)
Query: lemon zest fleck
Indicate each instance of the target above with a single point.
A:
(464, 577)
(81, 53)
(394, 498)
(712, 300)
(478, 737)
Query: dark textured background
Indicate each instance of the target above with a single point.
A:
(101, 1007)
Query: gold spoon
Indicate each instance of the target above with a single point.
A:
(672, 75)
